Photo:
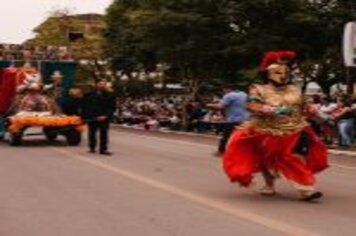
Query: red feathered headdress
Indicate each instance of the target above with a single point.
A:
(275, 56)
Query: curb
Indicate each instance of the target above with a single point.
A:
(341, 152)
(330, 151)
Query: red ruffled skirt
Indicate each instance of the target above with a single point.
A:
(250, 151)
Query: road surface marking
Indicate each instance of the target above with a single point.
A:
(143, 136)
(193, 197)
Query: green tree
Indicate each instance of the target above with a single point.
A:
(193, 37)
(205, 40)
(313, 28)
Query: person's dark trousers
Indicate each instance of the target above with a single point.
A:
(228, 128)
(102, 128)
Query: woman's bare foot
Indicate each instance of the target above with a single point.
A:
(268, 191)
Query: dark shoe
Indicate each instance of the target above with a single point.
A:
(106, 153)
(92, 151)
(312, 196)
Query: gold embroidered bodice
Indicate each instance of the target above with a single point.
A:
(274, 97)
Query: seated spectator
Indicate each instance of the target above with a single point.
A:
(344, 116)
(151, 123)
(327, 125)
(217, 117)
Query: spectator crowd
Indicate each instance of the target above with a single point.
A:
(333, 118)
(167, 112)
(11, 52)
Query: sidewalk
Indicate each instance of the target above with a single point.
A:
(331, 150)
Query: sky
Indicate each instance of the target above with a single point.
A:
(19, 17)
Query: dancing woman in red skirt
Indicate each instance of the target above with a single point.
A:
(277, 140)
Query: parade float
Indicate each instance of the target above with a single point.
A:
(29, 97)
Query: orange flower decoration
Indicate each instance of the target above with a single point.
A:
(18, 123)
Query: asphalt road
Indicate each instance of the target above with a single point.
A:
(158, 185)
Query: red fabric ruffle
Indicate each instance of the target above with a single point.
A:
(250, 151)
(7, 88)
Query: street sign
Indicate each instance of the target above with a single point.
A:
(349, 44)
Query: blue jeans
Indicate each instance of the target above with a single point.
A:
(346, 129)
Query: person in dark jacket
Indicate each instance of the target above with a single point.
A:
(97, 110)
(72, 104)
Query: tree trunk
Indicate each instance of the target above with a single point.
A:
(350, 80)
